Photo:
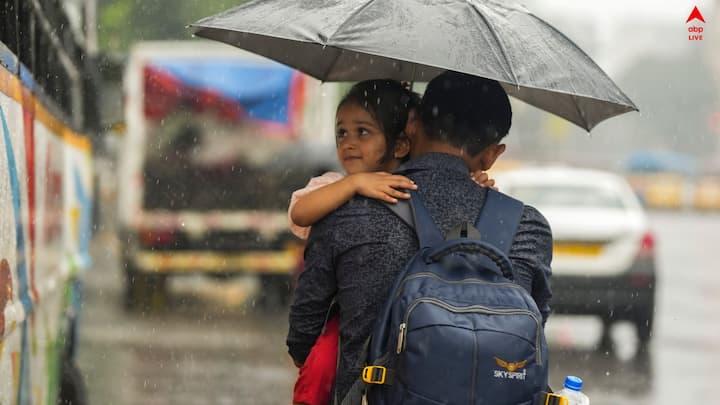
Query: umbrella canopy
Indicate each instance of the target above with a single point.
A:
(415, 40)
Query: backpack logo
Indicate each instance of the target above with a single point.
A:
(509, 366)
(510, 372)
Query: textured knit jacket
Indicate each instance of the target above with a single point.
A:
(355, 253)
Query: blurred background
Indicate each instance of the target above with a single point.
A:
(186, 301)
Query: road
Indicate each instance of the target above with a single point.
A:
(213, 346)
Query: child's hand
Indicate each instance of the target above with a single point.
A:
(482, 179)
(382, 185)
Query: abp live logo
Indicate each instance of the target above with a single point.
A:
(695, 31)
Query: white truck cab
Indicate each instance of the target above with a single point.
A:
(217, 140)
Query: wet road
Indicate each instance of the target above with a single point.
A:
(212, 346)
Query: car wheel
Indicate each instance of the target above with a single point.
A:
(606, 342)
(644, 320)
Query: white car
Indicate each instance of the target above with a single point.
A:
(604, 258)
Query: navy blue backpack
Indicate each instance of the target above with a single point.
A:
(455, 328)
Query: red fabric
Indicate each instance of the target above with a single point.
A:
(317, 375)
(164, 93)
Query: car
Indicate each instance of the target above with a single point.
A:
(604, 251)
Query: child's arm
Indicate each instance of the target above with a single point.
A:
(318, 203)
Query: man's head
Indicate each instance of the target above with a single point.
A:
(467, 113)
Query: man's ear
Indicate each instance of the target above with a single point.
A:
(402, 147)
(413, 131)
(490, 155)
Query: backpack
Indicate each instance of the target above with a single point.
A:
(455, 328)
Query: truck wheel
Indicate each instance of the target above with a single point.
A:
(144, 292)
(274, 291)
(72, 385)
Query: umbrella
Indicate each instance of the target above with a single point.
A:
(415, 40)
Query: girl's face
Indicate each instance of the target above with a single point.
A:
(360, 142)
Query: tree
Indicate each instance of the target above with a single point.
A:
(122, 22)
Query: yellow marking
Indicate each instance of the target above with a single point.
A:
(59, 129)
(11, 86)
(251, 262)
(15, 356)
(75, 221)
(577, 249)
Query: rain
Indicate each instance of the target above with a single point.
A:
(198, 146)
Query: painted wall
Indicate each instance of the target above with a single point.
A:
(45, 211)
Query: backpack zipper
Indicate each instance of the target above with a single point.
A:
(465, 280)
(402, 336)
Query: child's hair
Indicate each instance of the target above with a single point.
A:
(389, 102)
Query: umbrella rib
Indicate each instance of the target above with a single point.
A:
(581, 114)
(332, 64)
(354, 13)
(500, 44)
(328, 39)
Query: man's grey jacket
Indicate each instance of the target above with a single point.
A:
(355, 253)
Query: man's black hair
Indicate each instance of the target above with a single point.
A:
(389, 102)
(468, 112)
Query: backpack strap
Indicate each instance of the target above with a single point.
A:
(403, 210)
(499, 219)
(414, 214)
(409, 210)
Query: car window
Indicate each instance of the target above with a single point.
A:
(566, 196)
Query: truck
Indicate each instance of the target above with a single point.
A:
(216, 141)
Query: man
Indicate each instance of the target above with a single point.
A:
(355, 254)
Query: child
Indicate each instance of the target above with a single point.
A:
(370, 141)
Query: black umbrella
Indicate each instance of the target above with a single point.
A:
(414, 40)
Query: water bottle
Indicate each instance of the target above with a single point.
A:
(571, 391)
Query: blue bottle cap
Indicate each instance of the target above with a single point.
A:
(573, 383)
